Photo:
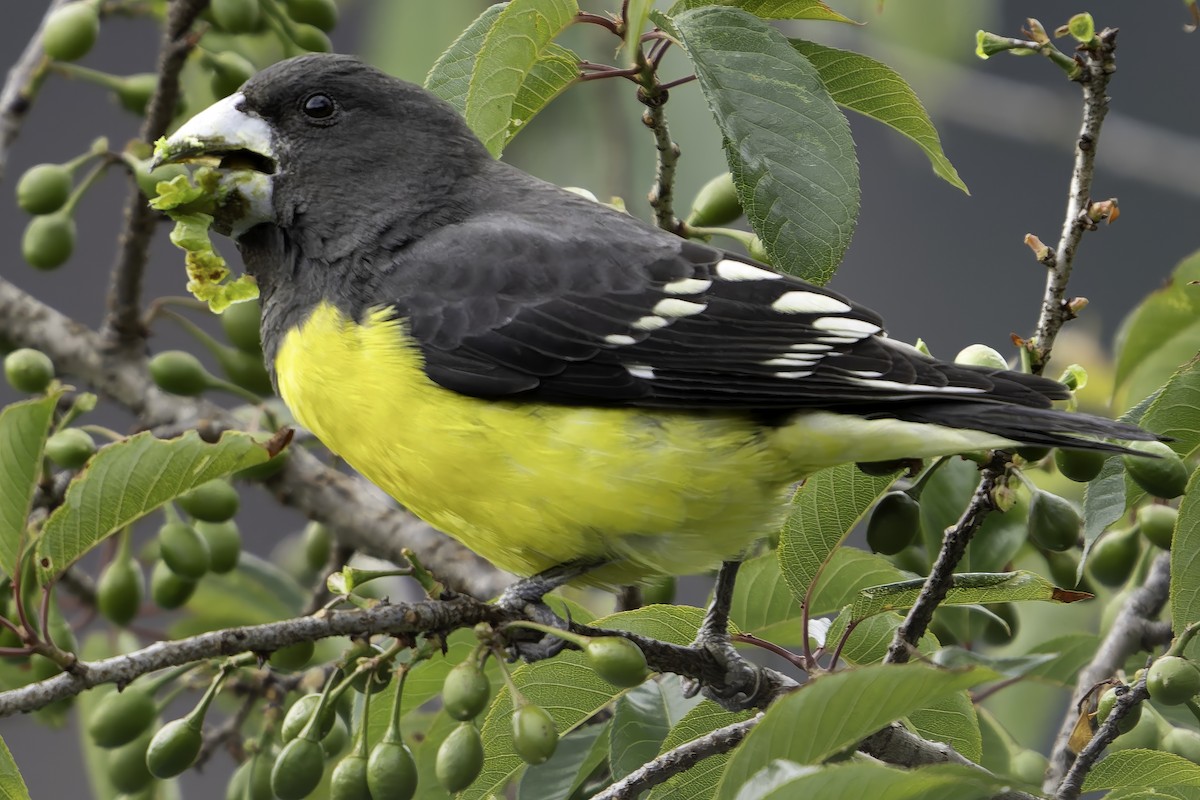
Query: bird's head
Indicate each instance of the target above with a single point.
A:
(323, 141)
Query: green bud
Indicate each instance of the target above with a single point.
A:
(71, 31)
(134, 91)
(1184, 743)
(236, 16)
(28, 370)
(70, 448)
(298, 770)
(1108, 701)
(391, 771)
(312, 39)
(241, 322)
(48, 241)
(716, 203)
(349, 781)
(44, 188)
(230, 71)
(179, 372)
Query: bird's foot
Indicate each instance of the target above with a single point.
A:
(741, 682)
(524, 598)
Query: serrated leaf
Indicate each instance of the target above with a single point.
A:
(763, 605)
(788, 145)
(24, 427)
(641, 721)
(966, 588)
(575, 759)
(872, 88)
(1185, 560)
(699, 782)
(1141, 768)
(869, 639)
(450, 76)
(783, 780)
(1166, 314)
(953, 721)
(850, 571)
(12, 785)
(835, 711)
(510, 49)
(129, 479)
(945, 497)
(770, 9)
(824, 511)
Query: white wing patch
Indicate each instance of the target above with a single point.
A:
(846, 326)
(640, 371)
(687, 286)
(800, 302)
(650, 323)
(672, 307)
(793, 374)
(620, 339)
(917, 387)
(730, 270)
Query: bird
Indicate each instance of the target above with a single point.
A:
(570, 392)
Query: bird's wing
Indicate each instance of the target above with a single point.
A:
(625, 315)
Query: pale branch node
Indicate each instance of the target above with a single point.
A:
(361, 516)
(1135, 629)
(16, 97)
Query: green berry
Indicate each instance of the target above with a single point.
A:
(391, 771)
(246, 370)
(1172, 680)
(617, 660)
(349, 781)
(241, 322)
(1053, 522)
(459, 758)
(260, 777)
(236, 16)
(121, 717)
(1080, 466)
(980, 355)
(1033, 454)
(321, 13)
(213, 501)
(120, 590)
(174, 748)
(1157, 523)
(338, 737)
(301, 711)
(1113, 557)
(379, 680)
(312, 39)
(1029, 766)
(318, 545)
(44, 188)
(1108, 701)
(1184, 743)
(894, 523)
(239, 782)
(134, 91)
(179, 372)
(293, 657)
(534, 735)
(465, 691)
(71, 31)
(224, 542)
(183, 550)
(126, 765)
(1165, 476)
(28, 370)
(48, 241)
(70, 448)
(298, 770)
(716, 203)
(169, 590)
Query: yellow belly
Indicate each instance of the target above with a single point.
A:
(529, 486)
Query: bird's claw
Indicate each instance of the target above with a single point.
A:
(741, 681)
(525, 599)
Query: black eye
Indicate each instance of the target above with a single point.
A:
(318, 107)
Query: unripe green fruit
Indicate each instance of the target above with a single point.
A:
(1165, 476)
(230, 71)
(1113, 557)
(1053, 522)
(318, 545)
(71, 31)
(1157, 523)
(179, 372)
(1184, 743)
(241, 323)
(349, 780)
(70, 448)
(174, 748)
(459, 758)
(534, 735)
(391, 771)
(336, 740)
(169, 590)
(1080, 466)
(120, 590)
(183, 550)
(377, 681)
(465, 691)
(121, 717)
(894, 523)
(44, 188)
(126, 765)
(298, 770)
(224, 544)
(293, 657)
(617, 660)
(134, 91)
(239, 782)
(1172, 680)
(716, 203)
(1033, 454)
(1029, 766)
(259, 787)
(298, 715)
(28, 370)
(320, 13)
(48, 241)
(245, 370)
(1108, 701)
(980, 355)
(659, 591)
(236, 16)
(213, 501)
(312, 39)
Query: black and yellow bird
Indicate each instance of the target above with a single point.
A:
(559, 386)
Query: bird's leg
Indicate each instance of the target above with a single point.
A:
(742, 678)
(525, 597)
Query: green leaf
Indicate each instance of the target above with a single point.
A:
(641, 721)
(954, 657)
(1071, 652)
(577, 757)
(785, 780)
(943, 500)
(512, 46)
(998, 744)
(966, 588)
(23, 430)
(699, 782)
(1141, 768)
(637, 13)
(12, 786)
(1169, 313)
(450, 76)
(1104, 496)
(1185, 560)
(770, 9)
(824, 511)
(849, 572)
(763, 605)
(835, 711)
(951, 720)
(788, 145)
(129, 479)
(874, 89)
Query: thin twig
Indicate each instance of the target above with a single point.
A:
(681, 759)
(19, 87)
(1072, 785)
(123, 327)
(654, 96)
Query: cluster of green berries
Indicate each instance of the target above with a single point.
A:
(190, 549)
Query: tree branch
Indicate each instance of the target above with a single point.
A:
(17, 95)
(654, 96)
(1127, 636)
(1072, 784)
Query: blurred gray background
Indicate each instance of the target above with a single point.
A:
(936, 263)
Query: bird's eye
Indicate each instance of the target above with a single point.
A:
(319, 107)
